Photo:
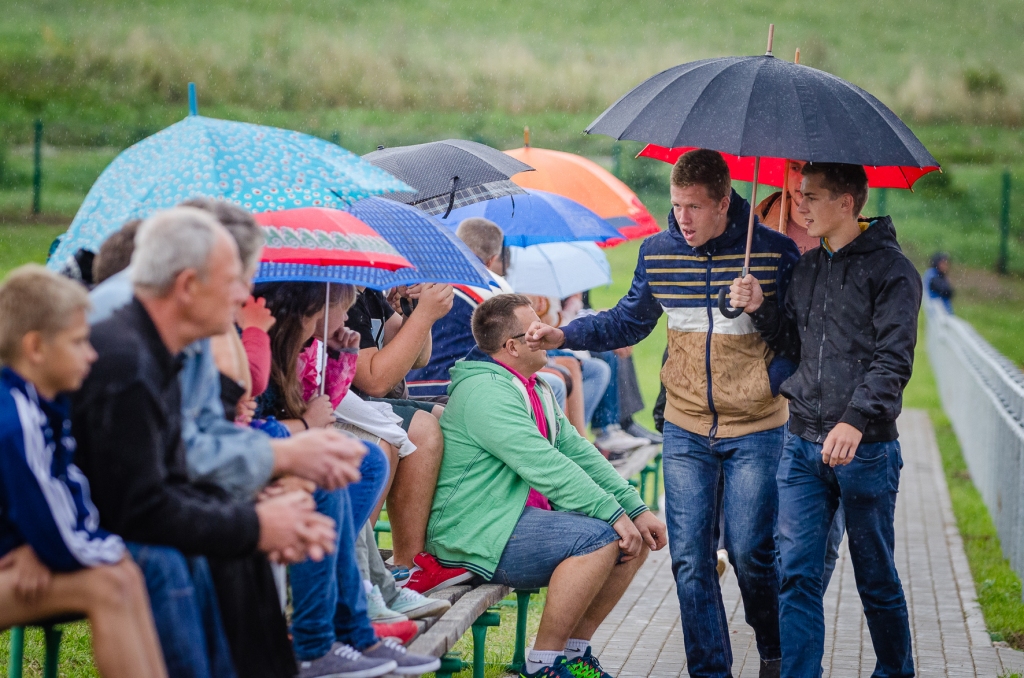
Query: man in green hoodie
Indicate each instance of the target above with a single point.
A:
(504, 435)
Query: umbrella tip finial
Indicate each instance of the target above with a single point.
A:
(771, 38)
(193, 107)
(526, 136)
(796, 59)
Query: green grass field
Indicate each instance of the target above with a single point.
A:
(97, 61)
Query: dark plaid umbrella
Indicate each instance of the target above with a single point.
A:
(762, 106)
(448, 174)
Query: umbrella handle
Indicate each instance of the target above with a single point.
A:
(724, 307)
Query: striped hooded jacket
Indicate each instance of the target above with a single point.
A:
(44, 497)
(721, 379)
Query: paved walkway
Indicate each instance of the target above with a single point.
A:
(643, 637)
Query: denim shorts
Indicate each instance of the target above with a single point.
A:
(542, 540)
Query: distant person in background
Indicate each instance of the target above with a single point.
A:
(936, 281)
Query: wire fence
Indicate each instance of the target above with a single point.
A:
(983, 394)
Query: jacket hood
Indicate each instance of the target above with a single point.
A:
(881, 234)
(736, 227)
(476, 362)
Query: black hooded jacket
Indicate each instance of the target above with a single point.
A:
(850, 320)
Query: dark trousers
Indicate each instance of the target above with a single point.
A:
(185, 611)
(809, 494)
(700, 471)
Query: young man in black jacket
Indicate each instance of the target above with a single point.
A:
(849, 319)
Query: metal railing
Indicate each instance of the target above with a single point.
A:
(983, 394)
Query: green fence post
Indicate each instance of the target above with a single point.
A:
(489, 618)
(53, 636)
(1004, 226)
(37, 170)
(883, 193)
(17, 652)
(522, 617)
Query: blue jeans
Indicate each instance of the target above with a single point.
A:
(542, 540)
(835, 538)
(328, 599)
(607, 412)
(185, 612)
(809, 494)
(596, 378)
(694, 466)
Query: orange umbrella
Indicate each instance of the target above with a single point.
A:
(589, 184)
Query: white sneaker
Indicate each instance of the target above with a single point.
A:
(416, 606)
(722, 566)
(614, 439)
(377, 610)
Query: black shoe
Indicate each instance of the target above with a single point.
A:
(637, 431)
(772, 669)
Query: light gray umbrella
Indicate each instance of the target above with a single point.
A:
(448, 174)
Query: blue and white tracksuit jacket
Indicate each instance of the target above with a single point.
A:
(44, 497)
(721, 379)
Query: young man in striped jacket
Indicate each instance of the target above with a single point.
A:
(724, 415)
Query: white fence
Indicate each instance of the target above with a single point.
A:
(983, 395)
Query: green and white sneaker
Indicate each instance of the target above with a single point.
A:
(560, 669)
(586, 666)
(377, 610)
(417, 606)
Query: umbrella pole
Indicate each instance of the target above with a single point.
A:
(322, 357)
(784, 209)
(750, 221)
(723, 305)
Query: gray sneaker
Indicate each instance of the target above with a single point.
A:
(344, 661)
(408, 664)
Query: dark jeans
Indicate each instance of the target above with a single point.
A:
(185, 612)
(694, 466)
(835, 538)
(328, 599)
(607, 412)
(809, 494)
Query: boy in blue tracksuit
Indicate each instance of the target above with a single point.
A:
(55, 560)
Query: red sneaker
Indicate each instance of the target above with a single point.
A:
(404, 631)
(431, 575)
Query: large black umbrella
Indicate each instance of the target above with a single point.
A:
(762, 106)
(448, 174)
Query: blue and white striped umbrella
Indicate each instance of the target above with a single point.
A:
(434, 250)
(256, 167)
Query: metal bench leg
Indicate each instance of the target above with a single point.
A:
(450, 663)
(657, 489)
(522, 617)
(489, 618)
(53, 636)
(17, 652)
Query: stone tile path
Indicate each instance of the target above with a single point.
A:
(643, 637)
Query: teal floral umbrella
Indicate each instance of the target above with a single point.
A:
(256, 167)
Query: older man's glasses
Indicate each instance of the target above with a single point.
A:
(518, 336)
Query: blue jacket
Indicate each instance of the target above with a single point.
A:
(237, 459)
(44, 497)
(721, 379)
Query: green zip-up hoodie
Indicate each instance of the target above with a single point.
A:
(494, 454)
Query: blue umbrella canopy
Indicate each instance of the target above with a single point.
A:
(256, 167)
(435, 252)
(538, 217)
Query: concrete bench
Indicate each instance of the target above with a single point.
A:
(473, 607)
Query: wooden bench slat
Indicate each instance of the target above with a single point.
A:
(443, 635)
(637, 461)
